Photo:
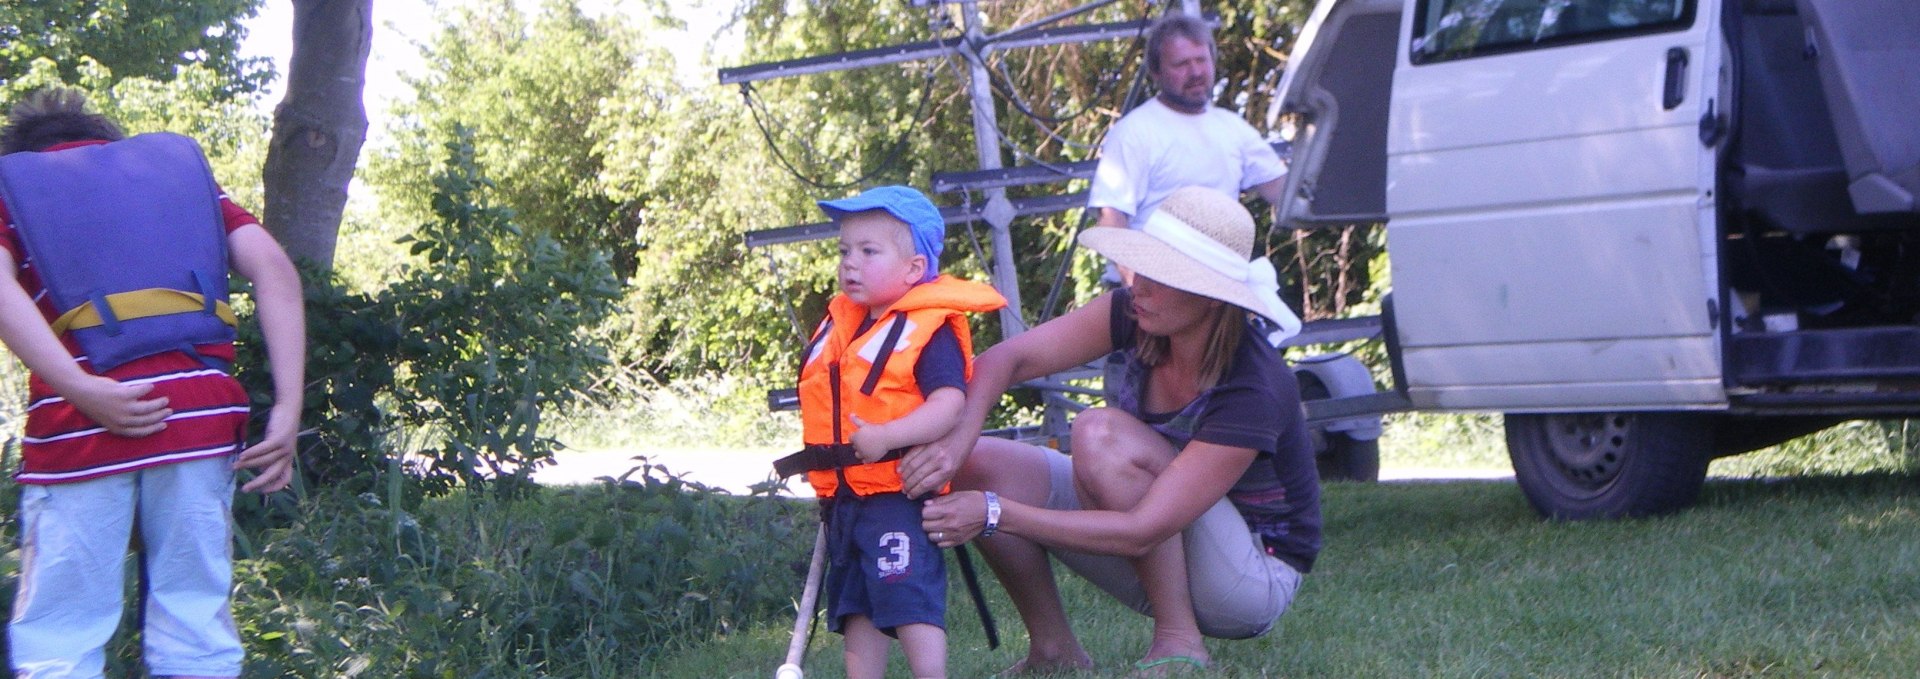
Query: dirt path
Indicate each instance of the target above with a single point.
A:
(735, 469)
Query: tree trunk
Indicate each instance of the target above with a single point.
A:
(318, 127)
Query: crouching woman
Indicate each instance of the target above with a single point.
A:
(1192, 497)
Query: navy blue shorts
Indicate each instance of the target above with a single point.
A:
(882, 564)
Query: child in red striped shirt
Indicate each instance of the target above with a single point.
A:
(119, 438)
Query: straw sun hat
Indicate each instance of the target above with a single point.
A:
(1200, 241)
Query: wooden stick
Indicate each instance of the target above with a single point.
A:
(803, 617)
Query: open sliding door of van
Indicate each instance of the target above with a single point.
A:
(1551, 238)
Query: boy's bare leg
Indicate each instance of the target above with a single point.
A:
(867, 648)
(926, 649)
(1018, 472)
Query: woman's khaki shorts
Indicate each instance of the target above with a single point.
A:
(1239, 591)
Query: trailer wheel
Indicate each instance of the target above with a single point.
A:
(1340, 457)
(1609, 465)
(1344, 458)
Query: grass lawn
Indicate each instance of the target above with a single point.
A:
(1809, 576)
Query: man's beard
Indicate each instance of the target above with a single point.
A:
(1185, 103)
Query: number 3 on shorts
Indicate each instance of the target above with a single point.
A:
(901, 555)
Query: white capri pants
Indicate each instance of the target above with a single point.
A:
(1239, 590)
(74, 539)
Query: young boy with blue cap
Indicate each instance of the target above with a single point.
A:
(886, 370)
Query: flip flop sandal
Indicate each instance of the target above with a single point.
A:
(1170, 660)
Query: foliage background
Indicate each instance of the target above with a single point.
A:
(551, 248)
(152, 39)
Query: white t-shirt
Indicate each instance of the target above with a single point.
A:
(1154, 150)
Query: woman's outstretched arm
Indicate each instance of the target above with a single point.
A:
(1073, 339)
(1196, 479)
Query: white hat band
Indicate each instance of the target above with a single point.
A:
(1257, 274)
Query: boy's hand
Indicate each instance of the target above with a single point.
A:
(118, 407)
(869, 440)
(273, 455)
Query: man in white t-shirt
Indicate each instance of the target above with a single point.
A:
(1179, 138)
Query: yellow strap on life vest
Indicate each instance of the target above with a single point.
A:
(142, 304)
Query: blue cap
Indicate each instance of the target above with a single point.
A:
(923, 220)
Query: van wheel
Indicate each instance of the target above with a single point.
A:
(1609, 465)
(1339, 457)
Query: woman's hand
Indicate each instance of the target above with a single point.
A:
(927, 468)
(954, 519)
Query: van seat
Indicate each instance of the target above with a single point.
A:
(1867, 53)
(1790, 172)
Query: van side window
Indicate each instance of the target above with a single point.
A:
(1444, 30)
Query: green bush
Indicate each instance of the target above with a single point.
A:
(1445, 441)
(353, 340)
(496, 326)
(484, 331)
(1854, 447)
(596, 581)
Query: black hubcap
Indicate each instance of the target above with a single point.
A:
(1589, 448)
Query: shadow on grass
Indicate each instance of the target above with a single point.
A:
(1760, 492)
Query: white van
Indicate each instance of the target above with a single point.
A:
(1651, 232)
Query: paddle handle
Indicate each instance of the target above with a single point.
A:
(803, 616)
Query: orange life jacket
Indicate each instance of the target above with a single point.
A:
(838, 378)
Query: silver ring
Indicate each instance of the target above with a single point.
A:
(937, 535)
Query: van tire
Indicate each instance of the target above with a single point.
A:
(1578, 466)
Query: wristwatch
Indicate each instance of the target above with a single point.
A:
(993, 515)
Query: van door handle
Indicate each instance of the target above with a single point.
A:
(1676, 78)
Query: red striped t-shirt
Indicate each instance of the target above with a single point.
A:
(62, 445)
